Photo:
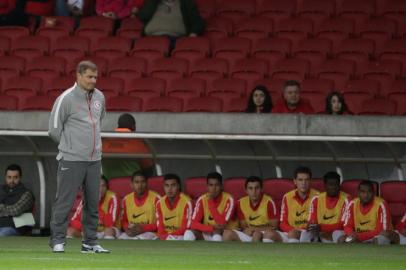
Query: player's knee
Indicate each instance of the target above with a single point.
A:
(189, 236)
(228, 235)
(270, 234)
(257, 236)
(294, 234)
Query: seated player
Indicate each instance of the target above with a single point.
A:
(294, 209)
(212, 213)
(256, 214)
(138, 219)
(368, 219)
(108, 214)
(401, 228)
(326, 213)
(174, 210)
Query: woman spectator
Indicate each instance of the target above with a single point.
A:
(259, 101)
(335, 104)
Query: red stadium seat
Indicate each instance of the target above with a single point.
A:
(336, 29)
(8, 103)
(191, 48)
(359, 50)
(359, 10)
(206, 8)
(64, 22)
(151, 47)
(354, 101)
(94, 35)
(14, 32)
(235, 10)
(209, 69)
(127, 68)
(378, 29)
(238, 104)
(314, 50)
(397, 87)
(277, 188)
(110, 87)
(71, 47)
(254, 29)
(317, 101)
(321, 86)
(38, 103)
(130, 28)
(276, 9)
(351, 187)
(58, 85)
(318, 184)
(22, 87)
(337, 70)
(316, 10)
(232, 48)
(229, 88)
(168, 68)
(362, 86)
(30, 47)
(186, 88)
(124, 103)
(163, 104)
(393, 192)
(394, 9)
(121, 186)
(52, 33)
(156, 183)
(235, 186)
(145, 87)
(250, 70)
(97, 23)
(11, 64)
(286, 68)
(378, 106)
(217, 28)
(393, 49)
(204, 104)
(274, 86)
(271, 50)
(384, 71)
(294, 29)
(111, 48)
(195, 187)
(5, 45)
(46, 67)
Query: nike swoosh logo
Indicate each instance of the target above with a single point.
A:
(137, 216)
(327, 218)
(253, 218)
(169, 218)
(298, 214)
(64, 169)
(363, 223)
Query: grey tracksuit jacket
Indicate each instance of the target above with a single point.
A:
(75, 124)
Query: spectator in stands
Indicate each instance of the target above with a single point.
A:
(75, 8)
(138, 219)
(213, 212)
(12, 13)
(259, 100)
(326, 213)
(368, 219)
(108, 214)
(291, 102)
(16, 204)
(294, 210)
(174, 210)
(172, 18)
(117, 9)
(335, 104)
(401, 228)
(125, 167)
(257, 213)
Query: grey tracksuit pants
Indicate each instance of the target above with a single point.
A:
(70, 176)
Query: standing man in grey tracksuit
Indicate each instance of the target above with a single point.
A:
(75, 125)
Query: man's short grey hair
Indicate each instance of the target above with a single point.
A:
(84, 65)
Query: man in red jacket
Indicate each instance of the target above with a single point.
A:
(291, 102)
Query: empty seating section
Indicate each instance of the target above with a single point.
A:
(355, 47)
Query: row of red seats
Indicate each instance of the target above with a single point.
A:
(392, 191)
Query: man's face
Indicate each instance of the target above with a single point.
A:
(365, 194)
(213, 187)
(332, 187)
(302, 182)
(102, 188)
(87, 80)
(291, 95)
(171, 188)
(12, 178)
(254, 191)
(139, 184)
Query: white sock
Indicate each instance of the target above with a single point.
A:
(382, 240)
(109, 237)
(293, 240)
(189, 236)
(267, 240)
(336, 235)
(217, 238)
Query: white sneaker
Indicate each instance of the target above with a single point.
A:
(58, 248)
(93, 249)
